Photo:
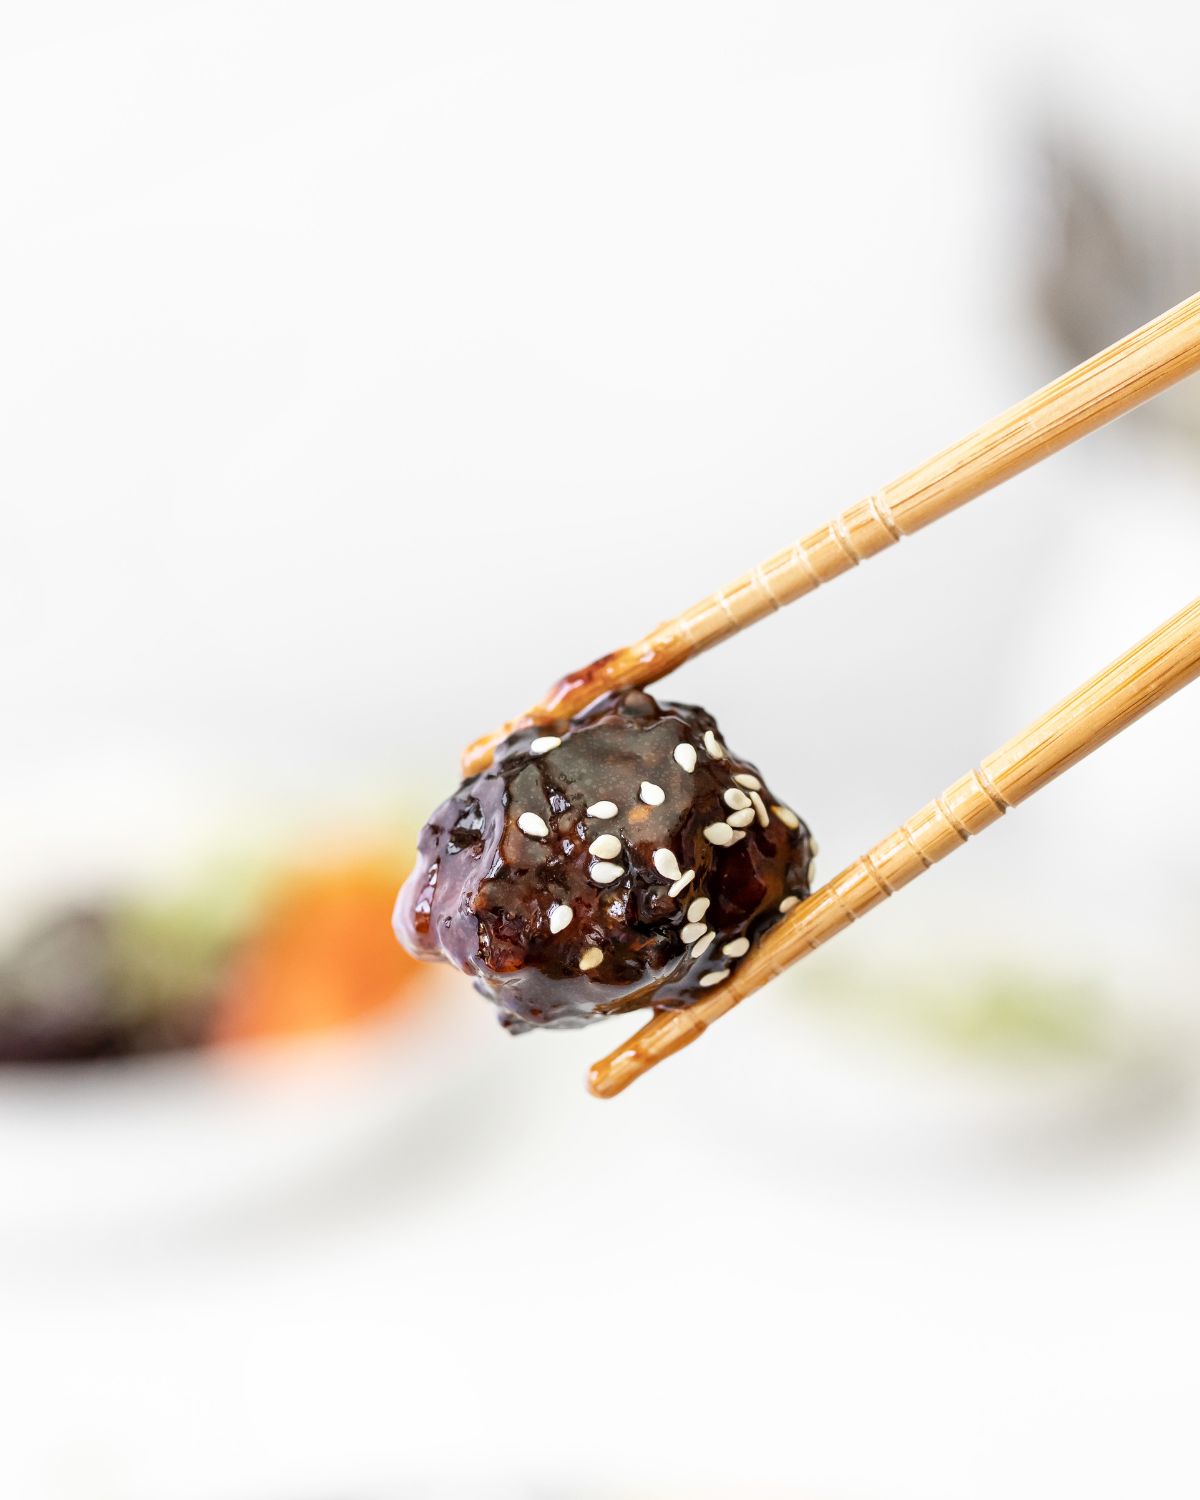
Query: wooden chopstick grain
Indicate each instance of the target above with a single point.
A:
(1121, 377)
(1147, 674)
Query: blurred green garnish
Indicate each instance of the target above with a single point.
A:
(1003, 1010)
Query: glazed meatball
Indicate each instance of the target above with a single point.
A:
(621, 859)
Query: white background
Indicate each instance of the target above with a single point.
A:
(363, 368)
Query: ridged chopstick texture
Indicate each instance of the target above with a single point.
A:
(1103, 387)
(1150, 672)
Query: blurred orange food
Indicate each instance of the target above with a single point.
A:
(323, 954)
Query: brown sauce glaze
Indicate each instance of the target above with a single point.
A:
(558, 878)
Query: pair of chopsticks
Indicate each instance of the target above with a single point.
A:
(1111, 383)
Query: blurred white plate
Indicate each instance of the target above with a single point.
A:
(821, 1079)
(170, 1143)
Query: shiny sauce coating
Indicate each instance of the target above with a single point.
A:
(620, 859)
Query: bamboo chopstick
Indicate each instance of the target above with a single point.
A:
(1103, 387)
(1154, 669)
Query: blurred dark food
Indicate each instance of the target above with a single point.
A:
(1117, 248)
(311, 949)
(72, 989)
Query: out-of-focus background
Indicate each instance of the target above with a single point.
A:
(366, 366)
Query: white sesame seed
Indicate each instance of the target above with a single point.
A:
(713, 745)
(544, 743)
(813, 847)
(685, 756)
(590, 957)
(760, 807)
(560, 917)
(607, 846)
(735, 797)
(604, 873)
(692, 931)
(534, 826)
(751, 783)
(719, 833)
(786, 816)
(737, 949)
(742, 818)
(788, 902)
(666, 864)
(716, 977)
(738, 836)
(602, 810)
(652, 794)
(808, 874)
(697, 909)
(682, 883)
(704, 944)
